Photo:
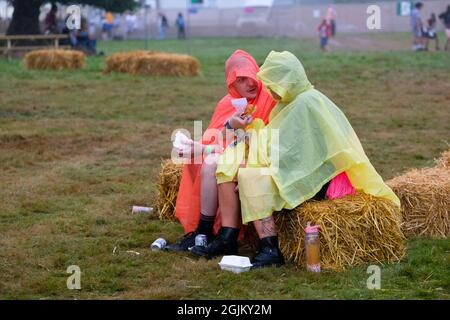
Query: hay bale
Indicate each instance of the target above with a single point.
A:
(152, 63)
(168, 184)
(54, 59)
(354, 230)
(424, 194)
(124, 62)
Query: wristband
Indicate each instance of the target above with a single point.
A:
(209, 149)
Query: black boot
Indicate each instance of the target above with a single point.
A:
(224, 244)
(269, 254)
(204, 227)
(183, 244)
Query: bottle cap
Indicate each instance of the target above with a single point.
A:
(312, 229)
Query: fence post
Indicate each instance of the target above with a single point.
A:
(8, 49)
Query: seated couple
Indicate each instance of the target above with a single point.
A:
(299, 146)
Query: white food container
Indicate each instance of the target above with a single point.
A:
(236, 264)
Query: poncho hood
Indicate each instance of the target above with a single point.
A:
(284, 74)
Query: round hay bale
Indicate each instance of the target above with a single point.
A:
(168, 184)
(54, 59)
(424, 194)
(354, 230)
(152, 63)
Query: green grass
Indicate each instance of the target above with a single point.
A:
(79, 148)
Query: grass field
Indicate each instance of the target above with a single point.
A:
(79, 148)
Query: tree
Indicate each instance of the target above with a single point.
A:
(25, 19)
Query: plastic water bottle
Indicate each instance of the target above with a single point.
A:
(312, 248)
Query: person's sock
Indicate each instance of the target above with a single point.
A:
(206, 225)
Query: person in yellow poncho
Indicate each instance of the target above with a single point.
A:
(307, 142)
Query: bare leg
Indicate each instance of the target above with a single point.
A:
(226, 241)
(208, 186)
(265, 227)
(230, 206)
(208, 206)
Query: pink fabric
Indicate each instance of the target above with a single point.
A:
(340, 187)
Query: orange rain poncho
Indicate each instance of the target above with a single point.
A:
(240, 64)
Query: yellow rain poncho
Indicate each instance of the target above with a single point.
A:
(307, 142)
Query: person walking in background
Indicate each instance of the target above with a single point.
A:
(331, 18)
(131, 21)
(445, 17)
(431, 32)
(324, 34)
(163, 25)
(107, 27)
(417, 28)
(181, 26)
(92, 30)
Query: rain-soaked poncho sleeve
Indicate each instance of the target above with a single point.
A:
(307, 142)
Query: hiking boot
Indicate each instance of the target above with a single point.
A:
(183, 244)
(269, 254)
(204, 227)
(224, 244)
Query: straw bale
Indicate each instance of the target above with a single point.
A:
(54, 59)
(354, 230)
(152, 63)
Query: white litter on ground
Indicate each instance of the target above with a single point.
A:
(236, 264)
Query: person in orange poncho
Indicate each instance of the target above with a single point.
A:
(197, 201)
